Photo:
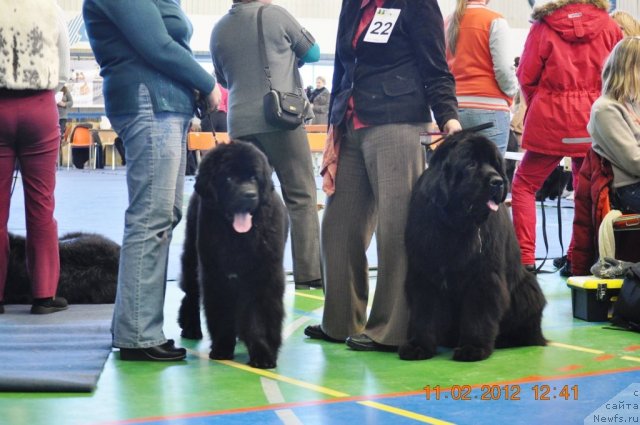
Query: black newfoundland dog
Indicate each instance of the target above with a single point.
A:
(88, 270)
(466, 286)
(233, 253)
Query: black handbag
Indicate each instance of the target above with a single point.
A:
(626, 310)
(281, 109)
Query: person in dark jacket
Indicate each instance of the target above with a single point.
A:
(319, 98)
(390, 71)
(64, 105)
(559, 75)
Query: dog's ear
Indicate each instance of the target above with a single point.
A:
(440, 185)
(205, 179)
(263, 170)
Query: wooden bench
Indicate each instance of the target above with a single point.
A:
(316, 128)
(202, 141)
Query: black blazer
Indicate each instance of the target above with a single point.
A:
(398, 81)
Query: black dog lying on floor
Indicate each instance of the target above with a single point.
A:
(88, 270)
(465, 285)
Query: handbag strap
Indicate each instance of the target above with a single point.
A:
(263, 53)
(263, 50)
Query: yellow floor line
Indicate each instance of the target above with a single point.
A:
(282, 378)
(575, 348)
(589, 350)
(633, 359)
(324, 390)
(313, 297)
(405, 413)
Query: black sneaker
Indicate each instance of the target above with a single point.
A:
(559, 262)
(48, 305)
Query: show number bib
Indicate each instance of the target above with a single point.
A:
(382, 25)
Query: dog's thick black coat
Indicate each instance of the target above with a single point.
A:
(465, 285)
(88, 270)
(237, 263)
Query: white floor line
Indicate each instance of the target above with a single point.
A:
(292, 327)
(274, 396)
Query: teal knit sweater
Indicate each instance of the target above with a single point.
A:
(145, 42)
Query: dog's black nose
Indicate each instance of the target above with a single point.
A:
(250, 195)
(496, 182)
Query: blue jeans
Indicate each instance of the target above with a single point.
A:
(629, 198)
(498, 134)
(155, 149)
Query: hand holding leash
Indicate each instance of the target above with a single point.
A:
(447, 134)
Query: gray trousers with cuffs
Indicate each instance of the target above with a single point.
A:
(377, 169)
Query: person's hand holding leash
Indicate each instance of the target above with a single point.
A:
(451, 127)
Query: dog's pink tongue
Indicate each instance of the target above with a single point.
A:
(492, 206)
(242, 222)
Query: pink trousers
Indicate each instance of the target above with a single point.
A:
(30, 137)
(530, 175)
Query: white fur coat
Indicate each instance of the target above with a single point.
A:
(30, 44)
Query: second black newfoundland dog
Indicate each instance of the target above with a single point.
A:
(466, 286)
(88, 269)
(233, 254)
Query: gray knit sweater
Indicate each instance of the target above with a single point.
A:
(616, 136)
(236, 59)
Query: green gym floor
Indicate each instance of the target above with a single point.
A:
(583, 370)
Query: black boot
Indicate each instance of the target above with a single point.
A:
(48, 305)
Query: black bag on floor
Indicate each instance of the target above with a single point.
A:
(626, 310)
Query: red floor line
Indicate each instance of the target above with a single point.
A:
(604, 357)
(570, 367)
(527, 379)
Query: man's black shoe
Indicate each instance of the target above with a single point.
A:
(316, 332)
(311, 284)
(364, 343)
(48, 305)
(166, 352)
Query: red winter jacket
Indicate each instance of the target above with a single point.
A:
(591, 205)
(560, 73)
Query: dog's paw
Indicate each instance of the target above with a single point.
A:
(220, 354)
(263, 363)
(411, 351)
(468, 353)
(191, 333)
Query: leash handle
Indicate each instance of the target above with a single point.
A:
(473, 129)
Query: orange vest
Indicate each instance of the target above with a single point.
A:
(472, 66)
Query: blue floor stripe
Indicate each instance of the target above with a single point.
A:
(541, 407)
